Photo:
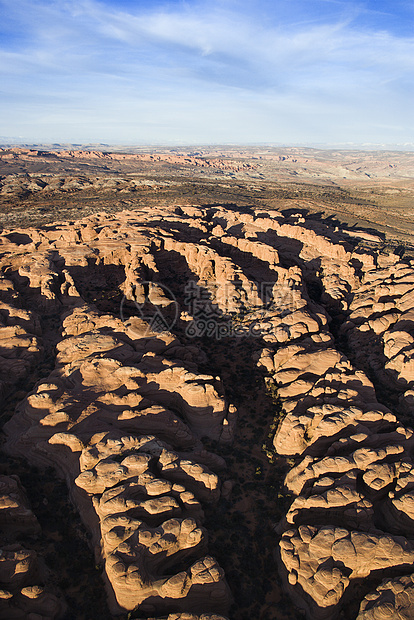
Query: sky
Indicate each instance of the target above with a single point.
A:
(207, 72)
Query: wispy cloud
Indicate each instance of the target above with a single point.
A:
(223, 71)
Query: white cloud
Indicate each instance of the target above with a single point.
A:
(202, 71)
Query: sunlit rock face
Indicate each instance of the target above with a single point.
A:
(118, 304)
(393, 598)
(380, 328)
(121, 416)
(26, 591)
(114, 420)
(351, 516)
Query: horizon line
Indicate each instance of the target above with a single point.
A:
(360, 146)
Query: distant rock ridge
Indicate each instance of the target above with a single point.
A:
(186, 160)
(289, 162)
(124, 409)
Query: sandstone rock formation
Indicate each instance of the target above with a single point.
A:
(22, 572)
(16, 516)
(19, 343)
(111, 416)
(392, 599)
(380, 328)
(121, 303)
(354, 460)
(134, 491)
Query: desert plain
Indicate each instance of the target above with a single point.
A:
(207, 383)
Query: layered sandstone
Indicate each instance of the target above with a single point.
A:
(92, 418)
(22, 573)
(123, 412)
(380, 327)
(394, 598)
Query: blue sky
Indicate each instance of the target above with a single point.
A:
(198, 72)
